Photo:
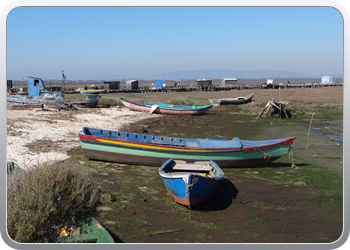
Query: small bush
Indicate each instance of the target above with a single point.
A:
(107, 102)
(44, 199)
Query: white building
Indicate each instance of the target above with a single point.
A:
(326, 80)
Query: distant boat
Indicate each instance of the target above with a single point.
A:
(90, 102)
(237, 100)
(161, 108)
(93, 91)
(190, 183)
(139, 149)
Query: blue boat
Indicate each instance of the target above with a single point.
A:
(190, 183)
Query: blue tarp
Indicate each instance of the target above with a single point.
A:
(160, 84)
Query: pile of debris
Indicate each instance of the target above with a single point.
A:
(58, 106)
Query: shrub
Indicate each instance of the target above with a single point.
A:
(44, 199)
(107, 102)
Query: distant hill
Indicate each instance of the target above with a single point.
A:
(219, 74)
(227, 73)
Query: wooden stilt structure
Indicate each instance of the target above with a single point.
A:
(279, 106)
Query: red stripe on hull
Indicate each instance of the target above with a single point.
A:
(161, 147)
(283, 143)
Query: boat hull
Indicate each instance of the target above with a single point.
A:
(93, 232)
(129, 152)
(93, 91)
(190, 188)
(164, 110)
(85, 104)
(234, 101)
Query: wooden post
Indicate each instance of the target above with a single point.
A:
(307, 143)
(280, 113)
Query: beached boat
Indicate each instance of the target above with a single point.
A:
(139, 149)
(93, 91)
(89, 102)
(162, 108)
(91, 231)
(237, 100)
(190, 184)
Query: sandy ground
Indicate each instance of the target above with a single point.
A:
(39, 137)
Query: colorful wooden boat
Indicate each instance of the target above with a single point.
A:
(151, 150)
(90, 101)
(190, 184)
(93, 91)
(91, 231)
(162, 108)
(237, 100)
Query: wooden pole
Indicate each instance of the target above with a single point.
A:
(307, 143)
(280, 113)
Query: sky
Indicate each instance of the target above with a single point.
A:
(92, 42)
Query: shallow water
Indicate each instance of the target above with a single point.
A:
(331, 129)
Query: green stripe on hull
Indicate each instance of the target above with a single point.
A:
(273, 152)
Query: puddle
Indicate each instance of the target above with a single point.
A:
(331, 129)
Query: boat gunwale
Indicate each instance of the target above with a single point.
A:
(184, 174)
(197, 108)
(94, 138)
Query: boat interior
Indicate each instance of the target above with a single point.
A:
(199, 167)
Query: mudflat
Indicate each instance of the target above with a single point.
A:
(296, 199)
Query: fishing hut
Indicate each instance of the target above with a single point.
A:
(36, 87)
(326, 80)
(228, 81)
(111, 86)
(132, 84)
(204, 83)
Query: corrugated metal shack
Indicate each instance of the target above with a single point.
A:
(132, 84)
(204, 82)
(228, 81)
(111, 85)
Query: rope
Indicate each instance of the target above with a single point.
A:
(266, 155)
(291, 155)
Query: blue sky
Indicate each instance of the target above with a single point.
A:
(142, 41)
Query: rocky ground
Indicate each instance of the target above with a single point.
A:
(43, 137)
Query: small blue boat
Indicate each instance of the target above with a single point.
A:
(190, 183)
